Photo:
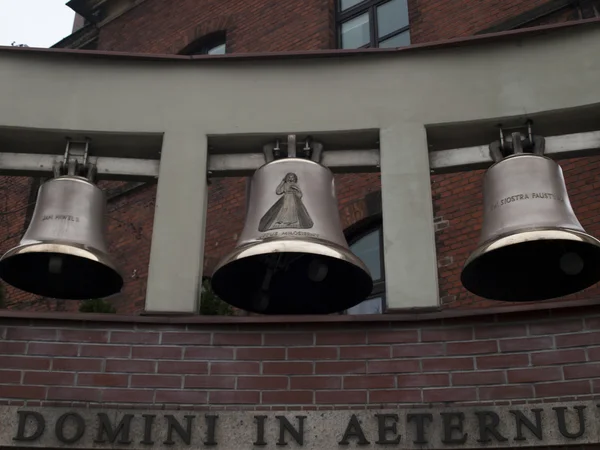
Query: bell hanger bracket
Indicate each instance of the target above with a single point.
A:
(75, 161)
(309, 149)
(515, 140)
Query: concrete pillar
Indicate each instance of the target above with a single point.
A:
(408, 232)
(176, 256)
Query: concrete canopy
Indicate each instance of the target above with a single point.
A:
(400, 93)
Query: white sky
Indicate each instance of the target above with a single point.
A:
(37, 23)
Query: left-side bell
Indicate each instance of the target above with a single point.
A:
(63, 253)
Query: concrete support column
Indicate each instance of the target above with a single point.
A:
(177, 252)
(408, 232)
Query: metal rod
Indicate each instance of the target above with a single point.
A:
(268, 150)
(66, 155)
(317, 153)
(85, 152)
(478, 157)
(122, 169)
(339, 161)
(291, 146)
(517, 143)
(276, 149)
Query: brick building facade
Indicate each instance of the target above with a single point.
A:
(470, 354)
(152, 26)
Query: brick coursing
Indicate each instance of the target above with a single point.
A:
(508, 358)
(157, 26)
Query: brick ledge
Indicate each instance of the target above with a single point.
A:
(392, 316)
(325, 407)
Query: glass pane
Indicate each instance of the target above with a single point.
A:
(345, 4)
(400, 40)
(355, 32)
(367, 248)
(392, 16)
(217, 50)
(370, 306)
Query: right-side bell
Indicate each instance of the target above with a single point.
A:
(292, 256)
(532, 246)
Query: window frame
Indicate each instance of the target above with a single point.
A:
(370, 7)
(378, 286)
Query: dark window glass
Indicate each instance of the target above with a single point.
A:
(400, 40)
(345, 4)
(217, 49)
(391, 17)
(212, 44)
(373, 23)
(356, 32)
(368, 247)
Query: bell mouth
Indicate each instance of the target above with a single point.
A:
(318, 277)
(60, 270)
(533, 265)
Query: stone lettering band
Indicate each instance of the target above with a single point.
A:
(546, 424)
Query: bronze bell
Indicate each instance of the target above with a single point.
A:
(292, 256)
(63, 253)
(532, 246)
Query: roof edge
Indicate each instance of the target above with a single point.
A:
(330, 53)
(84, 34)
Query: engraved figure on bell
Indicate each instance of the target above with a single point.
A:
(288, 211)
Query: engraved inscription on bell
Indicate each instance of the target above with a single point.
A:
(289, 210)
(60, 217)
(527, 196)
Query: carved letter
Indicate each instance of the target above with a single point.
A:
(562, 423)
(40, 425)
(420, 421)
(285, 425)
(260, 430)
(148, 421)
(383, 428)
(173, 424)
(211, 423)
(522, 420)
(60, 428)
(105, 426)
(485, 428)
(450, 427)
(354, 430)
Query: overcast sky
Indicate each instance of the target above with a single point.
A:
(37, 23)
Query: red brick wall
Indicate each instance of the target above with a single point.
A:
(156, 26)
(514, 357)
(433, 20)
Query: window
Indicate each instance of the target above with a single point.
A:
(212, 44)
(368, 247)
(373, 23)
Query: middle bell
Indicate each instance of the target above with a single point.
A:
(292, 256)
